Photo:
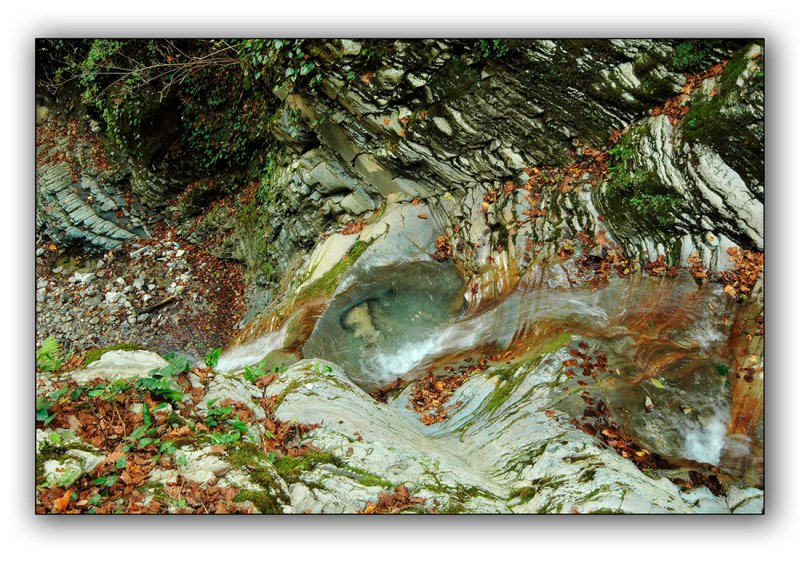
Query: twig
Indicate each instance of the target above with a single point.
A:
(164, 302)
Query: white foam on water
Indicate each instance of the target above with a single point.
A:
(704, 441)
(252, 352)
(406, 357)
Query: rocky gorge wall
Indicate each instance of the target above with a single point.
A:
(607, 191)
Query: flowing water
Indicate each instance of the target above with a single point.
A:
(666, 341)
(389, 321)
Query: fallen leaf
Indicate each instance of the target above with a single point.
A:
(61, 504)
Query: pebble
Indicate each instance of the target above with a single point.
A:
(58, 269)
(40, 252)
(84, 278)
(180, 253)
(112, 297)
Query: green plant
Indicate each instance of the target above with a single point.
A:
(217, 414)
(274, 58)
(495, 48)
(49, 356)
(252, 374)
(693, 54)
(321, 368)
(212, 357)
(43, 405)
(178, 364)
(106, 480)
(225, 437)
(160, 384)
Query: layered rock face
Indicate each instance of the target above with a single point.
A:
(569, 232)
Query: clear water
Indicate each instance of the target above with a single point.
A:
(388, 321)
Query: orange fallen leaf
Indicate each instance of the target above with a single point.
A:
(61, 504)
(422, 215)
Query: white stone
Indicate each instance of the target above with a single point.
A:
(120, 364)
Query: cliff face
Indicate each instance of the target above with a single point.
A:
(372, 119)
(398, 206)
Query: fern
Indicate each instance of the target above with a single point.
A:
(48, 357)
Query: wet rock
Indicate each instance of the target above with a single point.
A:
(520, 446)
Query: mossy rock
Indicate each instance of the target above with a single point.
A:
(94, 355)
(270, 498)
(732, 121)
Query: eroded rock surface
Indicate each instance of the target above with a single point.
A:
(573, 228)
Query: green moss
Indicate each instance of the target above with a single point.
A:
(527, 493)
(251, 242)
(290, 468)
(553, 344)
(292, 386)
(454, 79)
(252, 459)
(370, 479)
(174, 419)
(327, 284)
(452, 507)
(550, 507)
(46, 453)
(635, 196)
(458, 496)
(155, 489)
(606, 510)
(587, 475)
(509, 382)
(499, 396)
(726, 124)
(95, 354)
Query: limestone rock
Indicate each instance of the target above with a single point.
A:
(123, 365)
(475, 460)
